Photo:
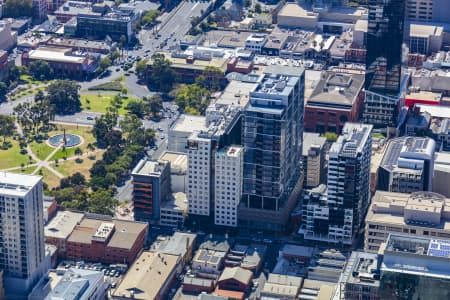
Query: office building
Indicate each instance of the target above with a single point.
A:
(22, 232)
(228, 185)
(383, 61)
(181, 129)
(361, 277)
(178, 170)
(407, 165)
(40, 9)
(428, 11)
(425, 39)
(441, 174)
(116, 23)
(335, 215)
(149, 278)
(106, 240)
(151, 187)
(421, 214)
(64, 61)
(337, 98)
(415, 268)
(272, 137)
(173, 211)
(65, 284)
(313, 152)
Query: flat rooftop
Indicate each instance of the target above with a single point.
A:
(177, 160)
(178, 201)
(311, 139)
(425, 31)
(189, 124)
(361, 268)
(147, 276)
(150, 167)
(236, 93)
(62, 225)
(425, 95)
(295, 10)
(17, 184)
(124, 236)
(55, 54)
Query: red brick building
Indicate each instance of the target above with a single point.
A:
(338, 98)
(106, 241)
(234, 282)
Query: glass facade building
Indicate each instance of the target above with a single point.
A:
(272, 137)
(384, 60)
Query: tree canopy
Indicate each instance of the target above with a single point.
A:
(162, 76)
(192, 98)
(63, 95)
(40, 70)
(150, 17)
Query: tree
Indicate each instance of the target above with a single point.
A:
(162, 76)
(211, 78)
(137, 107)
(78, 152)
(3, 91)
(141, 67)
(104, 64)
(40, 70)
(114, 55)
(18, 8)
(258, 9)
(154, 104)
(192, 98)
(7, 127)
(63, 95)
(150, 17)
(102, 126)
(330, 136)
(102, 202)
(247, 3)
(39, 97)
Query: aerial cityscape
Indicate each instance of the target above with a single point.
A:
(225, 149)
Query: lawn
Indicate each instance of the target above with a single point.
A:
(49, 178)
(26, 170)
(12, 158)
(70, 167)
(99, 103)
(42, 150)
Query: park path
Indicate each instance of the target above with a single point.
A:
(45, 163)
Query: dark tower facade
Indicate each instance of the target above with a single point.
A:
(384, 60)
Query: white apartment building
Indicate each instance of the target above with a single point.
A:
(255, 42)
(420, 214)
(228, 185)
(21, 231)
(199, 174)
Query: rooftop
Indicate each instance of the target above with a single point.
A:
(282, 285)
(196, 62)
(62, 225)
(147, 276)
(178, 201)
(231, 151)
(189, 123)
(68, 284)
(361, 269)
(78, 43)
(408, 153)
(17, 184)
(437, 111)
(239, 274)
(152, 168)
(176, 244)
(124, 235)
(420, 209)
(56, 54)
(418, 30)
(337, 90)
(310, 140)
(236, 93)
(354, 137)
(295, 10)
(178, 161)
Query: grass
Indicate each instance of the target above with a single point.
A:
(70, 167)
(41, 150)
(98, 103)
(49, 178)
(29, 80)
(12, 158)
(26, 170)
